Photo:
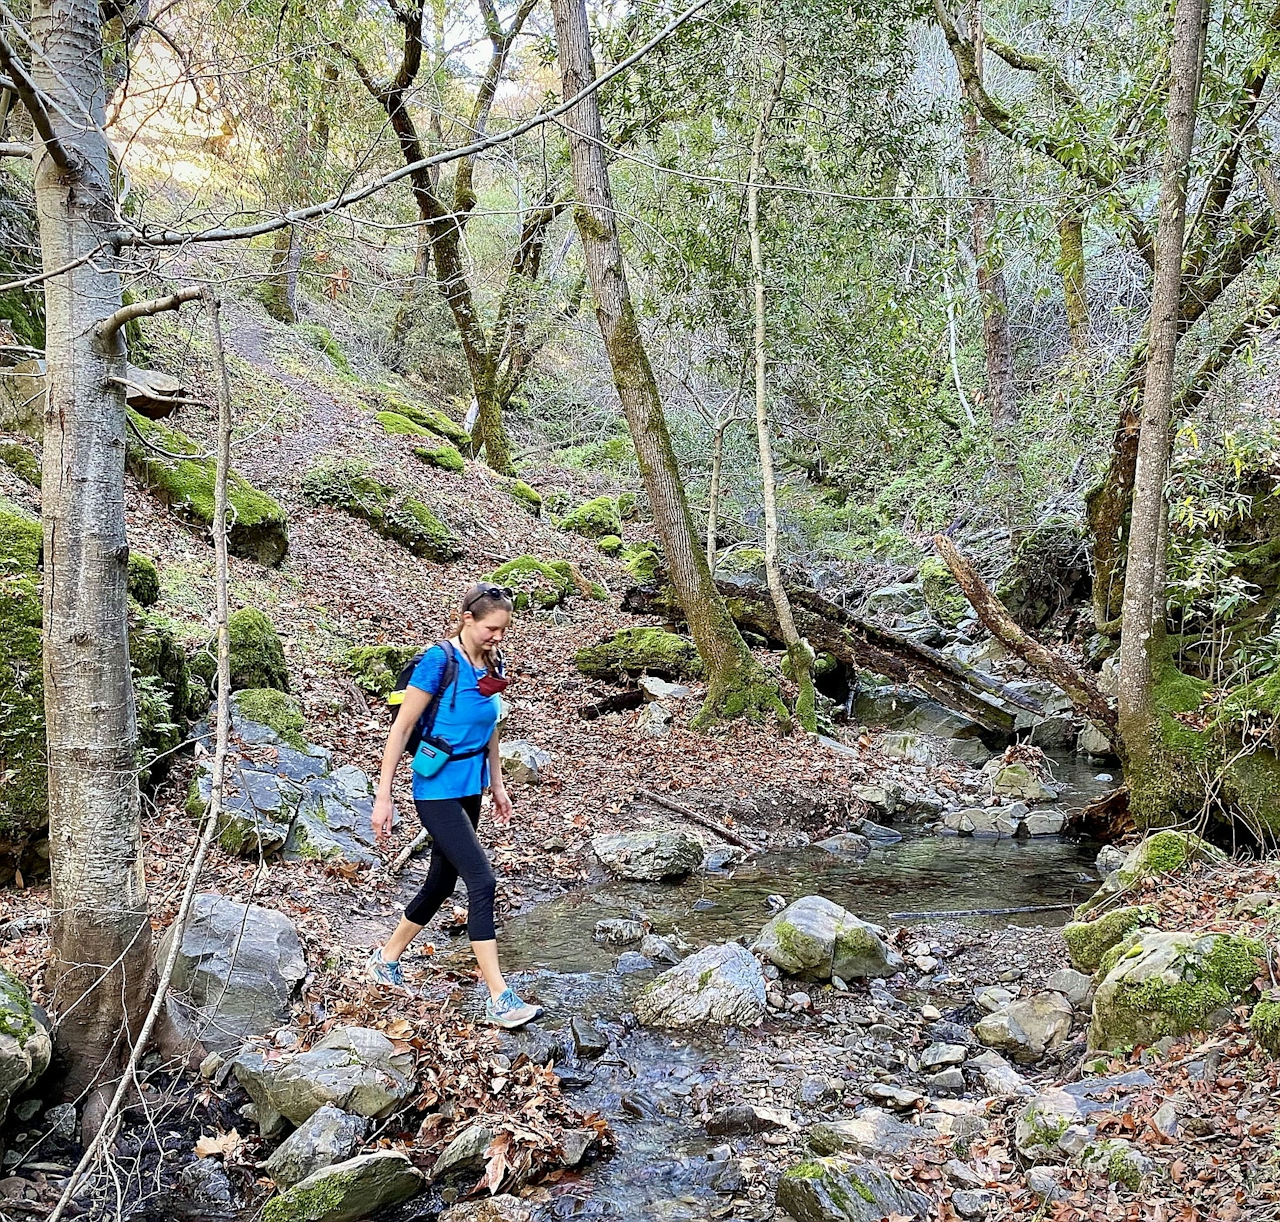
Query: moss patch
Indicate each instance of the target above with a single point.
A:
(533, 583)
(594, 519)
(636, 651)
(1264, 1025)
(21, 462)
(426, 417)
(321, 339)
(276, 710)
(446, 457)
(643, 562)
(17, 1019)
(144, 580)
(260, 528)
(941, 593)
(375, 668)
(400, 426)
(1088, 941)
(348, 485)
(527, 497)
(610, 545)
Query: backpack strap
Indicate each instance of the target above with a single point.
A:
(448, 677)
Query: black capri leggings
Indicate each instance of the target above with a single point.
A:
(455, 850)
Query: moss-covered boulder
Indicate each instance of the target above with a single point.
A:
(846, 1189)
(741, 563)
(611, 545)
(1160, 853)
(941, 593)
(644, 562)
(21, 462)
(628, 506)
(1088, 941)
(23, 796)
(1264, 1024)
(816, 939)
(162, 693)
(348, 485)
(277, 710)
(1171, 984)
(533, 583)
(447, 457)
(347, 1191)
(375, 668)
(594, 519)
(25, 1047)
(526, 496)
(144, 580)
(430, 418)
(396, 425)
(257, 657)
(640, 651)
(176, 471)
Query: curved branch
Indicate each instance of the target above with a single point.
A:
(38, 105)
(143, 309)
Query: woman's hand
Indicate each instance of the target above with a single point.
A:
(501, 805)
(384, 813)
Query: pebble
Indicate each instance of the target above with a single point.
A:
(897, 1097)
(992, 998)
(948, 1080)
(942, 1054)
(930, 1014)
(800, 1001)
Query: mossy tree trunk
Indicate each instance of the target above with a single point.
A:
(281, 290)
(1143, 615)
(736, 683)
(1071, 269)
(100, 969)
(798, 652)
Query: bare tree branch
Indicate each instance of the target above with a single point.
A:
(9, 149)
(143, 309)
(38, 106)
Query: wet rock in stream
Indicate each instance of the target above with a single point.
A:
(722, 985)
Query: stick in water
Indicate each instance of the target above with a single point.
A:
(972, 912)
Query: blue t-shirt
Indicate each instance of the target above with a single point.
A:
(465, 720)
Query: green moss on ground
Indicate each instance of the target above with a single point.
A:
(144, 580)
(941, 593)
(525, 495)
(260, 527)
(347, 484)
(446, 457)
(1088, 941)
(636, 651)
(534, 583)
(21, 462)
(628, 506)
(594, 519)
(430, 418)
(1264, 1024)
(276, 710)
(397, 425)
(24, 795)
(644, 562)
(321, 339)
(375, 668)
(611, 545)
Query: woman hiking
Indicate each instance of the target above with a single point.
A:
(458, 756)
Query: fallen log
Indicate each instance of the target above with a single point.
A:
(860, 645)
(943, 914)
(646, 795)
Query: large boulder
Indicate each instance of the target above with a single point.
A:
(535, 584)
(817, 939)
(259, 526)
(846, 1189)
(329, 1135)
(1170, 984)
(637, 651)
(347, 1191)
(1016, 780)
(238, 970)
(595, 519)
(1088, 941)
(353, 1069)
(256, 655)
(1027, 1029)
(720, 985)
(649, 855)
(1160, 853)
(298, 802)
(892, 707)
(25, 1045)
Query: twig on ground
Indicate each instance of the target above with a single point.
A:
(646, 795)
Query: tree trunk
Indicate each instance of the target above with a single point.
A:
(713, 494)
(798, 651)
(736, 684)
(100, 939)
(1142, 638)
(280, 295)
(1071, 269)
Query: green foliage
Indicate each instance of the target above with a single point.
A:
(161, 685)
(347, 484)
(444, 456)
(21, 461)
(321, 339)
(144, 580)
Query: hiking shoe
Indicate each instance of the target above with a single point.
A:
(509, 1011)
(382, 972)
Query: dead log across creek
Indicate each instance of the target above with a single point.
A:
(862, 645)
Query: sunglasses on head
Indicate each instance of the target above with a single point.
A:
(488, 592)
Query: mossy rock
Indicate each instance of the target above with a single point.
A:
(742, 562)
(260, 527)
(276, 710)
(1264, 1024)
(526, 496)
(941, 593)
(429, 418)
(1049, 570)
(628, 506)
(375, 668)
(321, 339)
(1088, 941)
(594, 519)
(162, 693)
(447, 457)
(144, 580)
(348, 485)
(573, 575)
(534, 583)
(637, 651)
(24, 795)
(257, 657)
(21, 462)
(397, 425)
(849, 1189)
(611, 545)
(1161, 853)
(1172, 984)
(644, 562)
